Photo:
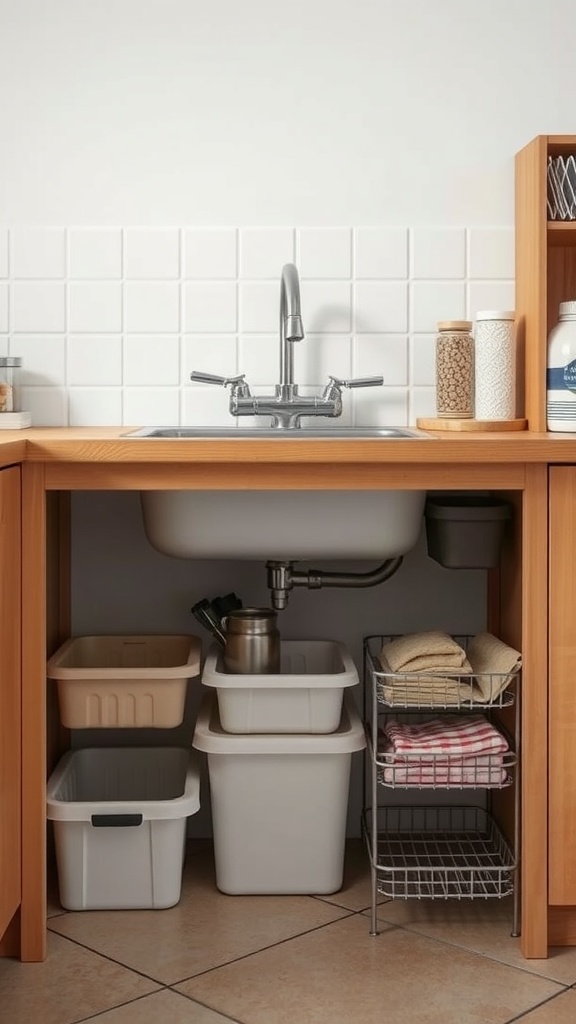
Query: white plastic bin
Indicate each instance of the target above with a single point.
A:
(124, 681)
(305, 697)
(279, 804)
(119, 818)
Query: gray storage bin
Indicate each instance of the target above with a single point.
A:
(465, 531)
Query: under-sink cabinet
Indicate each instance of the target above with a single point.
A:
(10, 745)
(421, 844)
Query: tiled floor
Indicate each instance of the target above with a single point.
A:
(288, 960)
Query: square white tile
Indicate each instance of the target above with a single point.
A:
(423, 360)
(95, 407)
(43, 359)
(3, 252)
(438, 253)
(422, 403)
(152, 307)
(205, 407)
(95, 253)
(210, 306)
(264, 251)
(383, 355)
(38, 307)
(151, 253)
(212, 353)
(259, 359)
(94, 360)
(491, 252)
(380, 306)
(432, 301)
(380, 407)
(47, 406)
(259, 306)
(381, 253)
(322, 355)
(151, 360)
(95, 306)
(38, 253)
(3, 306)
(151, 407)
(209, 253)
(490, 295)
(324, 252)
(326, 306)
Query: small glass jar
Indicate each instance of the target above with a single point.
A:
(10, 384)
(455, 370)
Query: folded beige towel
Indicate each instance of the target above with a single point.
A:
(432, 651)
(494, 665)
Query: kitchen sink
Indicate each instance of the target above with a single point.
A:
(296, 434)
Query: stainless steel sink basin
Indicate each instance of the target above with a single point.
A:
(298, 434)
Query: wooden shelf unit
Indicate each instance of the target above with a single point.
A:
(545, 267)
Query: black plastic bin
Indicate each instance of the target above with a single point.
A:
(466, 531)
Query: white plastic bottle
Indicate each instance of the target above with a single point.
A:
(561, 372)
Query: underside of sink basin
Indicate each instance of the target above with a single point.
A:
(253, 433)
(283, 525)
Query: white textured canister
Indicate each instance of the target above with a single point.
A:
(495, 365)
(561, 372)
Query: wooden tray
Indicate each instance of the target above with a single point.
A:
(429, 423)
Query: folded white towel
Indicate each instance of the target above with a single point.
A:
(429, 651)
(494, 664)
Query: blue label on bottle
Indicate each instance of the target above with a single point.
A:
(562, 378)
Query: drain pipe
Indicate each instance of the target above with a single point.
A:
(282, 577)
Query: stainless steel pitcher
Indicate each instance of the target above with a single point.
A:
(252, 642)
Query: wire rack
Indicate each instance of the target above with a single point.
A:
(448, 690)
(439, 853)
(439, 771)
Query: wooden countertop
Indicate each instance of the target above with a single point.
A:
(110, 445)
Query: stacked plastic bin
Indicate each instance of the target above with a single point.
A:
(279, 750)
(120, 813)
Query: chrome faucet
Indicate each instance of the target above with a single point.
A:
(286, 406)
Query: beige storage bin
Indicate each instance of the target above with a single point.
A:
(124, 681)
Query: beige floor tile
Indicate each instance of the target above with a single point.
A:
(340, 974)
(70, 984)
(163, 1007)
(482, 926)
(561, 1010)
(205, 930)
(355, 893)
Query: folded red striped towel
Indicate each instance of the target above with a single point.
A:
(447, 736)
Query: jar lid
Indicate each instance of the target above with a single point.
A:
(567, 308)
(496, 314)
(455, 325)
(10, 361)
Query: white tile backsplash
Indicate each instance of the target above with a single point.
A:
(38, 253)
(95, 306)
(151, 360)
(381, 253)
(38, 307)
(324, 253)
(438, 253)
(95, 253)
(210, 253)
(210, 306)
(151, 253)
(491, 252)
(94, 360)
(264, 251)
(110, 321)
(381, 306)
(152, 307)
